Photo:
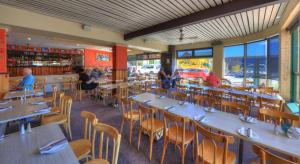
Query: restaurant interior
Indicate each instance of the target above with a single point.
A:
(149, 81)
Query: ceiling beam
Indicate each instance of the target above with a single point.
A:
(229, 8)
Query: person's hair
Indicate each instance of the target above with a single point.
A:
(28, 70)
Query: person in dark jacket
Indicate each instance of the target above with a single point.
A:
(87, 83)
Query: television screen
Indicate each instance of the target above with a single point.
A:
(183, 54)
(203, 52)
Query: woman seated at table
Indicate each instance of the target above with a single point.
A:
(212, 80)
(164, 79)
(87, 82)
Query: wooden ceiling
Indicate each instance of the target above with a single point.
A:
(132, 15)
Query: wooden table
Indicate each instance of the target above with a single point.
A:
(16, 148)
(229, 124)
(114, 86)
(21, 110)
(18, 94)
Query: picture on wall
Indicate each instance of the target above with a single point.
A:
(102, 57)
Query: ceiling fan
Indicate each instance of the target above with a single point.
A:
(181, 36)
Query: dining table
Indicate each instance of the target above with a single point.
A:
(225, 122)
(21, 93)
(24, 148)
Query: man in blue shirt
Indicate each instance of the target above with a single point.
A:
(28, 80)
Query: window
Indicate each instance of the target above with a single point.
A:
(203, 52)
(234, 64)
(295, 68)
(184, 54)
(257, 62)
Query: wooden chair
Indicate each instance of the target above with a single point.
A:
(13, 83)
(129, 115)
(181, 88)
(53, 98)
(40, 85)
(214, 147)
(158, 83)
(194, 91)
(150, 125)
(240, 98)
(82, 148)
(277, 117)
(193, 82)
(225, 82)
(217, 95)
(2, 94)
(161, 91)
(62, 118)
(225, 86)
(267, 157)
(266, 90)
(175, 132)
(66, 83)
(270, 103)
(179, 96)
(239, 88)
(110, 133)
(135, 89)
(234, 107)
(79, 91)
(204, 101)
(122, 92)
(57, 109)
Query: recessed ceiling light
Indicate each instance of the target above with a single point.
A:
(29, 38)
(77, 45)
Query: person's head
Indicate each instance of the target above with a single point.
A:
(88, 71)
(211, 73)
(27, 71)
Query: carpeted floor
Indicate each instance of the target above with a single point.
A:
(129, 153)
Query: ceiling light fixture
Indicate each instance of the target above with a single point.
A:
(29, 38)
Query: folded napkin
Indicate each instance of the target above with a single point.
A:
(161, 97)
(5, 101)
(247, 132)
(210, 109)
(182, 102)
(38, 103)
(5, 108)
(133, 96)
(53, 146)
(247, 119)
(293, 133)
(147, 101)
(42, 110)
(201, 118)
(169, 107)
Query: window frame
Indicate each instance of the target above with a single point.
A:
(193, 53)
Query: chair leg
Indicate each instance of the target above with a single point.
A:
(130, 131)
(164, 151)
(151, 145)
(182, 154)
(122, 124)
(139, 138)
(70, 131)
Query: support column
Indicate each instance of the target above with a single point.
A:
(3, 62)
(119, 71)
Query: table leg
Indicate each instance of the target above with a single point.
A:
(241, 150)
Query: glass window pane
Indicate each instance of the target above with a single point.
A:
(273, 62)
(234, 64)
(183, 54)
(256, 63)
(203, 52)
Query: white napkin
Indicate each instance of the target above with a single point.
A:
(42, 110)
(293, 133)
(53, 146)
(210, 109)
(247, 132)
(201, 118)
(133, 96)
(5, 108)
(169, 107)
(38, 103)
(147, 101)
(247, 119)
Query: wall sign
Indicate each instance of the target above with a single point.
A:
(102, 57)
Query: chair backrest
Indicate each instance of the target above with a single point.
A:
(136, 88)
(40, 84)
(126, 106)
(66, 106)
(204, 101)
(181, 88)
(122, 91)
(54, 95)
(224, 86)
(106, 133)
(270, 103)
(226, 82)
(216, 94)
(161, 91)
(196, 91)
(193, 82)
(14, 82)
(266, 156)
(266, 90)
(239, 88)
(274, 116)
(90, 120)
(234, 107)
(179, 95)
(158, 83)
(240, 98)
(147, 113)
(172, 120)
(215, 139)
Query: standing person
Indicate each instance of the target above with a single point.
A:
(175, 77)
(212, 80)
(87, 83)
(28, 80)
(164, 79)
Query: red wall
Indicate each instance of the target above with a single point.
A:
(120, 53)
(3, 67)
(90, 58)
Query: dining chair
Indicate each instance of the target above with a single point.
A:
(105, 93)
(79, 91)
(149, 125)
(243, 99)
(274, 116)
(181, 88)
(225, 82)
(240, 88)
(13, 83)
(276, 104)
(62, 118)
(82, 148)
(2, 94)
(225, 86)
(135, 89)
(194, 91)
(179, 95)
(122, 92)
(193, 82)
(66, 83)
(218, 95)
(106, 133)
(234, 107)
(129, 115)
(53, 98)
(57, 108)
(158, 83)
(266, 90)
(175, 132)
(40, 84)
(214, 147)
(267, 157)
(203, 100)
(161, 91)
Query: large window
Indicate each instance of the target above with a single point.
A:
(256, 62)
(234, 63)
(295, 66)
(194, 63)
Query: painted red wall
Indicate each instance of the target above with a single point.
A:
(90, 58)
(120, 53)
(3, 55)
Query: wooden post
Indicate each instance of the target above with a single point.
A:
(119, 71)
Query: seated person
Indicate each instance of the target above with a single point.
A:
(87, 83)
(164, 79)
(96, 73)
(212, 80)
(28, 80)
(175, 77)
